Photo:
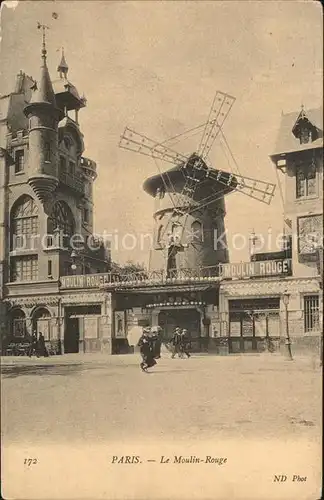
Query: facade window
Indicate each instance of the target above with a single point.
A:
(62, 164)
(311, 313)
(306, 184)
(19, 161)
(61, 218)
(18, 323)
(197, 231)
(24, 268)
(49, 268)
(71, 168)
(47, 151)
(86, 215)
(305, 135)
(24, 222)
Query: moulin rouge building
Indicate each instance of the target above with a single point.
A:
(70, 296)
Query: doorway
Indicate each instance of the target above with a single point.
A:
(183, 318)
(71, 335)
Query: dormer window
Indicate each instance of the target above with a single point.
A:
(304, 130)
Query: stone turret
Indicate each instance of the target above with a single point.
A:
(44, 116)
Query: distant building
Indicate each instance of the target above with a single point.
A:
(253, 307)
(46, 199)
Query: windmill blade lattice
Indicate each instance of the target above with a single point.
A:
(220, 109)
(139, 143)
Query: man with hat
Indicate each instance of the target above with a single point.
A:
(184, 342)
(175, 342)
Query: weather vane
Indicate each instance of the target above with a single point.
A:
(43, 27)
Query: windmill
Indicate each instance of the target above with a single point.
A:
(194, 185)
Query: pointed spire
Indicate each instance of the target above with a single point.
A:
(63, 67)
(303, 112)
(44, 91)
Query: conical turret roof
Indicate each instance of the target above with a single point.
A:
(44, 91)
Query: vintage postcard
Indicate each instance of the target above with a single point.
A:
(161, 250)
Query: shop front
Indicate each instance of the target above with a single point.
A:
(254, 325)
(257, 318)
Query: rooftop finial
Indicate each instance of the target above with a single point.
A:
(302, 113)
(63, 67)
(44, 51)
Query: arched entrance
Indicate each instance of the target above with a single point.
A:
(41, 322)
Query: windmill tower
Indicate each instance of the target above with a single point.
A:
(190, 197)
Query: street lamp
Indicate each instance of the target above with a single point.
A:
(286, 297)
(73, 257)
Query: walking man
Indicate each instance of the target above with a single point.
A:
(176, 343)
(184, 342)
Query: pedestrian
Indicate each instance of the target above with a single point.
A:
(175, 342)
(42, 351)
(157, 341)
(184, 342)
(33, 347)
(146, 349)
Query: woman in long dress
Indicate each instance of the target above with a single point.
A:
(145, 344)
(157, 341)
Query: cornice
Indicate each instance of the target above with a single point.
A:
(269, 287)
(44, 300)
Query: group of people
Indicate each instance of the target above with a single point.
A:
(37, 346)
(180, 343)
(150, 345)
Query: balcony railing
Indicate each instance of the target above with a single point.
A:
(140, 279)
(160, 277)
(72, 181)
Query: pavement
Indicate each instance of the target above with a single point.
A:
(69, 423)
(71, 396)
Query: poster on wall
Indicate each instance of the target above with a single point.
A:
(120, 324)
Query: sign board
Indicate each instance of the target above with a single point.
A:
(85, 281)
(256, 269)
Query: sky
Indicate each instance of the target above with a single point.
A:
(155, 66)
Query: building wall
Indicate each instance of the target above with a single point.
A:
(294, 208)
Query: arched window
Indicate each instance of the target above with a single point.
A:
(18, 323)
(61, 218)
(197, 231)
(24, 222)
(41, 322)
